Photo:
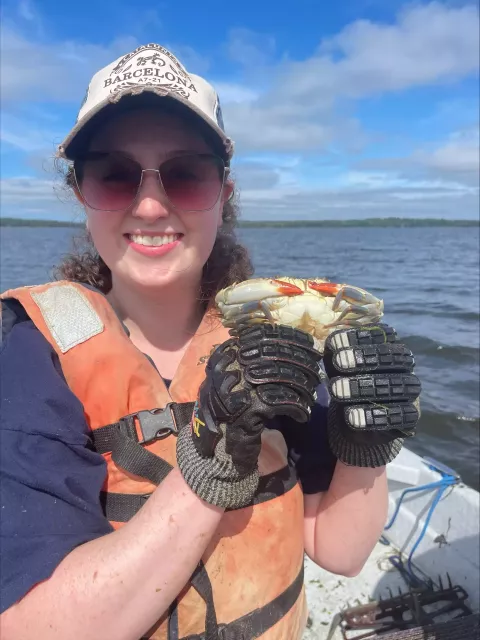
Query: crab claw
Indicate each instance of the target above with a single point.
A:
(327, 288)
(286, 288)
(353, 295)
(256, 289)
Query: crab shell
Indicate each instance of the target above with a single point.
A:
(313, 305)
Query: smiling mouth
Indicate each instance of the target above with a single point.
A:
(154, 241)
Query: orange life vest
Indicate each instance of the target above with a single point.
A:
(249, 583)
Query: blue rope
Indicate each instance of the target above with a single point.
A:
(441, 486)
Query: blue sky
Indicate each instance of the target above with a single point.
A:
(359, 108)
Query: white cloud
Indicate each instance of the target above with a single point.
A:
(442, 181)
(429, 43)
(460, 155)
(230, 92)
(256, 175)
(60, 71)
(265, 194)
(17, 133)
(26, 197)
(291, 108)
(456, 160)
(250, 49)
(29, 16)
(285, 106)
(303, 103)
(359, 201)
(25, 188)
(51, 72)
(26, 11)
(191, 59)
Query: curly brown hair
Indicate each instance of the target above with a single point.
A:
(229, 261)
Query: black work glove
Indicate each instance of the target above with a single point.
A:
(262, 372)
(374, 395)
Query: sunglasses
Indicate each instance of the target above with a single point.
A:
(112, 181)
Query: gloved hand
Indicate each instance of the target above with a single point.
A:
(373, 395)
(262, 372)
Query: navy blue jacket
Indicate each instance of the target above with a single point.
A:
(50, 475)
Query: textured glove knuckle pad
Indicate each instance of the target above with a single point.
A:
(373, 389)
(263, 372)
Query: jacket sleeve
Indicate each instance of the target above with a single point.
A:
(50, 477)
(308, 447)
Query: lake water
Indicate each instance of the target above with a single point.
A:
(427, 277)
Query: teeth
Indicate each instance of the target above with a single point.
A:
(153, 241)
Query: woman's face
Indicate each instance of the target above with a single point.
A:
(152, 243)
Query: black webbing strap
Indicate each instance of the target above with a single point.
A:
(104, 436)
(121, 507)
(257, 622)
(131, 456)
(182, 412)
(172, 632)
(248, 627)
(122, 440)
(201, 582)
(202, 585)
(154, 424)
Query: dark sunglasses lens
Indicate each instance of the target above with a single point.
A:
(108, 182)
(192, 183)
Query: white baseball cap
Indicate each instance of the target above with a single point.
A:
(148, 74)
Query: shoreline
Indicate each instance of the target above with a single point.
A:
(259, 224)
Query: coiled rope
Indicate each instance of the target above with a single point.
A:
(449, 479)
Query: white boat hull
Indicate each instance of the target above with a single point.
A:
(450, 545)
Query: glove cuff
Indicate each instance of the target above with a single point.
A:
(217, 482)
(349, 449)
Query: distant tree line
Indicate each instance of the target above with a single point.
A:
(255, 224)
(366, 222)
(24, 222)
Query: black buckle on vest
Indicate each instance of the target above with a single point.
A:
(156, 424)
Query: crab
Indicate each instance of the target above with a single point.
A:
(314, 305)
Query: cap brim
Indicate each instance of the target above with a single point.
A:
(77, 140)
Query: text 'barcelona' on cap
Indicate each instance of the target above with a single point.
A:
(149, 72)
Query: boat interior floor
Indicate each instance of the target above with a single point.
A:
(383, 602)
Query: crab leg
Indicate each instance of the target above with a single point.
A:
(354, 295)
(240, 309)
(266, 310)
(354, 314)
(255, 317)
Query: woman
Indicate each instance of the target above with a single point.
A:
(123, 517)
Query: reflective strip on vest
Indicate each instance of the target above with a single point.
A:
(68, 314)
